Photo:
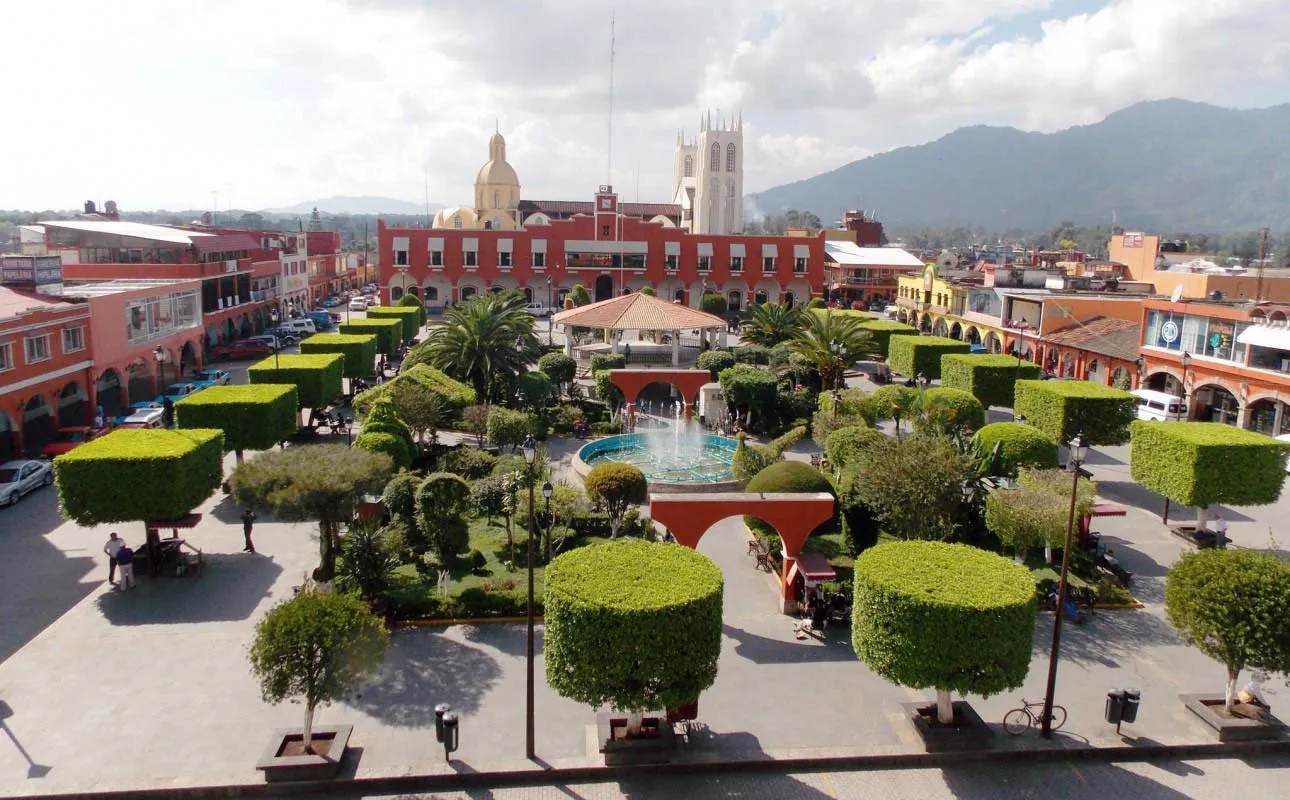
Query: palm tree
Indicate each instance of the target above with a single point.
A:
(487, 341)
(771, 323)
(830, 342)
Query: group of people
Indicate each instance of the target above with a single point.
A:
(121, 555)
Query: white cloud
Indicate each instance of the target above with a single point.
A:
(157, 103)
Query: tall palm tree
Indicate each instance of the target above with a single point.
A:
(771, 323)
(830, 342)
(485, 342)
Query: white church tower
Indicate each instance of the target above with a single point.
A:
(708, 177)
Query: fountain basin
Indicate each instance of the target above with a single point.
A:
(695, 463)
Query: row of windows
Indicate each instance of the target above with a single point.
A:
(714, 160)
(40, 348)
(470, 258)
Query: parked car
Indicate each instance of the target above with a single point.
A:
(321, 319)
(212, 377)
(373, 300)
(248, 348)
(144, 418)
(18, 478)
(299, 327)
(331, 302)
(278, 337)
(537, 309)
(69, 438)
(178, 391)
(358, 304)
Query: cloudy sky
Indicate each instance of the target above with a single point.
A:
(156, 103)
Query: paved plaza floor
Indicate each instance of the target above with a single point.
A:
(150, 688)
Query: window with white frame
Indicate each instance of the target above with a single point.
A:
(799, 265)
(73, 340)
(705, 263)
(436, 258)
(37, 348)
(6, 356)
(539, 259)
(504, 258)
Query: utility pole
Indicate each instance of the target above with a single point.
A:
(1263, 254)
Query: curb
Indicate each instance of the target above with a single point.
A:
(761, 763)
(433, 623)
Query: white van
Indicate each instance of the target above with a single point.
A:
(1159, 406)
(303, 326)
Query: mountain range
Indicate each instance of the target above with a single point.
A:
(364, 204)
(1168, 165)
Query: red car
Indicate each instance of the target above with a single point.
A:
(241, 350)
(70, 438)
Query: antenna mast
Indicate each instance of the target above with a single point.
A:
(1263, 254)
(609, 151)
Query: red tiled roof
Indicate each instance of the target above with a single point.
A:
(1107, 336)
(638, 312)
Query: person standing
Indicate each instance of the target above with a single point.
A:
(168, 412)
(1220, 530)
(627, 353)
(113, 546)
(125, 560)
(248, 520)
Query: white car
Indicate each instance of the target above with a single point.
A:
(537, 309)
(17, 478)
(358, 304)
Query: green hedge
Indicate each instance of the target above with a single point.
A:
(359, 351)
(454, 393)
(1023, 446)
(252, 417)
(911, 355)
(1202, 463)
(882, 331)
(945, 616)
(714, 361)
(1061, 409)
(952, 410)
(606, 361)
(385, 432)
(409, 316)
(989, 377)
(633, 625)
(846, 446)
(797, 477)
(139, 474)
(388, 332)
(316, 377)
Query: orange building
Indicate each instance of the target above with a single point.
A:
(1168, 266)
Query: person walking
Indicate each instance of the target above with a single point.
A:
(112, 548)
(248, 519)
(125, 561)
(627, 353)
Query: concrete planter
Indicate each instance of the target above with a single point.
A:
(1232, 729)
(656, 749)
(314, 767)
(968, 732)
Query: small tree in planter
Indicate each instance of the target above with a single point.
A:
(616, 487)
(949, 617)
(318, 647)
(1231, 605)
(632, 624)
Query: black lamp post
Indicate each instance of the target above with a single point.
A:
(1078, 452)
(835, 347)
(1186, 364)
(160, 355)
(529, 449)
(547, 491)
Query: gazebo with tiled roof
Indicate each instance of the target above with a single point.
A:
(637, 312)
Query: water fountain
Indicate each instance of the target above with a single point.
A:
(684, 458)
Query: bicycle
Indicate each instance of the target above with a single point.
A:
(1018, 720)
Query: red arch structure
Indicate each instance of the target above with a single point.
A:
(794, 516)
(631, 381)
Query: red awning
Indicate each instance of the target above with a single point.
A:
(813, 567)
(189, 521)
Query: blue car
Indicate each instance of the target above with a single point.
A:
(177, 391)
(212, 377)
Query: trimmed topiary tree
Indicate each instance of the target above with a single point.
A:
(616, 487)
(441, 500)
(750, 458)
(388, 332)
(894, 402)
(1023, 446)
(139, 474)
(949, 412)
(847, 446)
(426, 380)
(796, 477)
(633, 625)
(607, 361)
(579, 295)
(912, 356)
(359, 351)
(749, 389)
(316, 377)
(1199, 464)
(1062, 409)
(558, 367)
(714, 361)
(755, 354)
(251, 417)
(1231, 605)
(991, 378)
(410, 318)
(949, 617)
(385, 432)
(713, 303)
(413, 301)
(508, 427)
(883, 331)
(535, 390)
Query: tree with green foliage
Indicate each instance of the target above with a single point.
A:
(794, 477)
(507, 427)
(421, 379)
(749, 389)
(860, 527)
(845, 409)
(615, 488)
(535, 391)
(319, 647)
(601, 362)
(894, 402)
(412, 301)
(750, 458)
(579, 295)
(633, 625)
(713, 303)
(317, 377)
(1020, 446)
(369, 555)
(883, 331)
(486, 342)
(488, 496)
(755, 354)
(848, 446)
(322, 484)
(399, 498)
(914, 485)
(990, 377)
(816, 302)
(1231, 605)
(384, 432)
(829, 342)
(948, 412)
(388, 332)
(1062, 409)
(470, 463)
(441, 500)
(913, 356)
(714, 361)
(251, 417)
(408, 317)
(561, 369)
(769, 324)
(949, 617)
(423, 412)
(649, 290)
(1036, 513)
(475, 420)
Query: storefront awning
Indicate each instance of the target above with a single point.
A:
(813, 567)
(1277, 338)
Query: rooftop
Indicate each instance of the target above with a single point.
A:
(1107, 336)
(101, 288)
(134, 230)
(17, 301)
(850, 253)
(638, 312)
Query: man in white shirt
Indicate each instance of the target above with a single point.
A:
(1220, 529)
(113, 546)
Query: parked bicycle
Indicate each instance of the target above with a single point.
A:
(1018, 720)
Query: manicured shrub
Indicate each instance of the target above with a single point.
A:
(421, 378)
(912, 356)
(714, 361)
(605, 361)
(384, 432)
(616, 487)
(989, 377)
(388, 332)
(558, 367)
(579, 295)
(817, 302)
(750, 458)
(359, 351)
(400, 497)
(470, 463)
(894, 402)
(535, 390)
(847, 446)
(755, 354)
(712, 303)
(139, 474)
(796, 477)
(606, 391)
(409, 318)
(441, 500)
(251, 417)
(1062, 409)
(950, 411)
(649, 290)
(1023, 446)
(507, 427)
(750, 389)
(631, 624)
(949, 617)
(914, 485)
(316, 377)
(412, 301)
(1202, 463)
(1036, 513)
(883, 331)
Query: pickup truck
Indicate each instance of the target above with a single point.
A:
(212, 377)
(178, 391)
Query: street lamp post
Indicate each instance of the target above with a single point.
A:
(835, 347)
(1078, 452)
(160, 355)
(547, 491)
(1186, 364)
(1021, 329)
(529, 449)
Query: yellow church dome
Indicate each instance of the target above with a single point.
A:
(497, 171)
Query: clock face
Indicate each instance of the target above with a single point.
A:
(606, 203)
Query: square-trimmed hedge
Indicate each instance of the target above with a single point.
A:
(252, 417)
(1202, 463)
(426, 378)
(882, 330)
(1061, 409)
(990, 377)
(408, 315)
(388, 332)
(316, 376)
(358, 349)
(134, 474)
(910, 355)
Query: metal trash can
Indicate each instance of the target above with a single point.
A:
(1132, 697)
(1115, 706)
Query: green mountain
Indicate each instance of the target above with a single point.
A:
(1161, 165)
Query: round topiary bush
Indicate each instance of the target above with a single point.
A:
(632, 624)
(615, 488)
(951, 410)
(391, 445)
(1023, 446)
(789, 476)
(817, 302)
(752, 354)
(714, 361)
(558, 367)
(846, 446)
(950, 617)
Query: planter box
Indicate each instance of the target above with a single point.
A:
(314, 767)
(1198, 539)
(969, 731)
(653, 750)
(1231, 729)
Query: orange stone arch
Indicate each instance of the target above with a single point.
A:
(794, 515)
(632, 381)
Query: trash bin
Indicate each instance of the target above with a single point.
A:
(1115, 706)
(1131, 699)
